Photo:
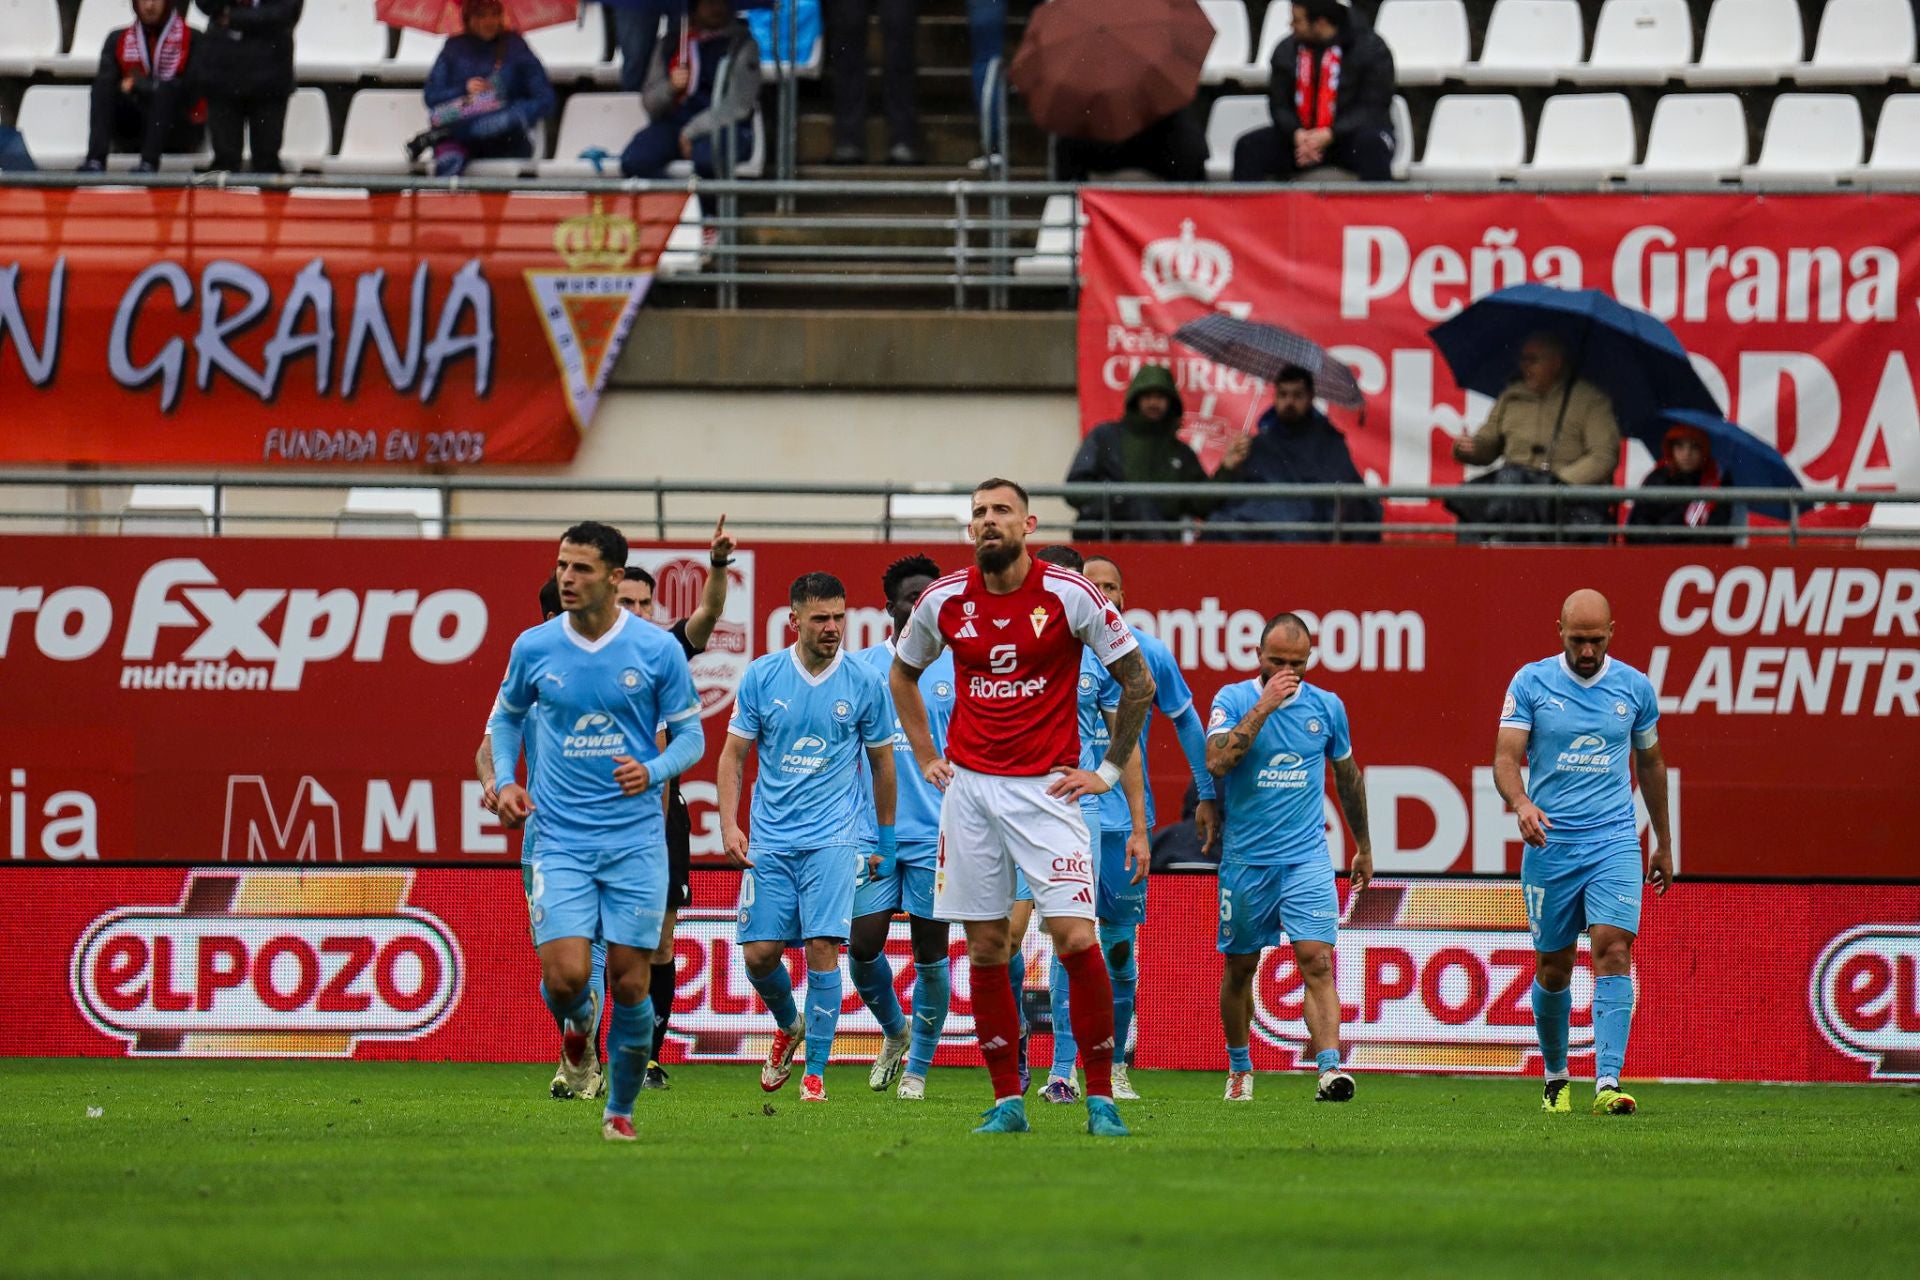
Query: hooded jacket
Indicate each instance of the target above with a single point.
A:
(1311, 452)
(742, 87)
(1705, 513)
(1134, 449)
(1362, 101)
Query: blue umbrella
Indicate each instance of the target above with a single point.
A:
(1745, 460)
(1625, 352)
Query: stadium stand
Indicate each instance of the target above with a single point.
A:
(1528, 42)
(337, 40)
(29, 35)
(1748, 42)
(1473, 136)
(1638, 42)
(1695, 136)
(1231, 118)
(1816, 138)
(1583, 135)
(1861, 42)
(1428, 38)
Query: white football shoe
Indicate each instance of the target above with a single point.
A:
(893, 1054)
(1239, 1086)
(913, 1088)
(1122, 1086)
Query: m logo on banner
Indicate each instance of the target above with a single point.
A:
(254, 831)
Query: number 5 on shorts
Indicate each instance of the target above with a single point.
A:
(1226, 906)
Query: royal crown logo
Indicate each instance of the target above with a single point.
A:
(588, 309)
(1186, 267)
(597, 241)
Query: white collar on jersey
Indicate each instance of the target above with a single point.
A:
(606, 637)
(793, 652)
(1575, 676)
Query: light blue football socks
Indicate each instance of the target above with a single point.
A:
(1612, 1020)
(823, 1016)
(1551, 1011)
(873, 979)
(776, 992)
(932, 997)
(629, 1045)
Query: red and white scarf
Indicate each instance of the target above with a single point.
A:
(1315, 107)
(137, 57)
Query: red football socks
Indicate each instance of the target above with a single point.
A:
(996, 1021)
(1090, 1009)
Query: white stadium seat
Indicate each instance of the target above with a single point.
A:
(1428, 37)
(1748, 42)
(168, 510)
(92, 24)
(1695, 136)
(412, 58)
(338, 40)
(1475, 137)
(1275, 27)
(391, 513)
(1055, 249)
(575, 50)
(309, 135)
(686, 247)
(53, 120)
(1896, 144)
(1402, 138)
(29, 35)
(1228, 55)
(1638, 42)
(1583, 135)
(1811, 138)
(1528, 42)
(1232, 118)
(379, 123)
(589, 120)
(1860, 42)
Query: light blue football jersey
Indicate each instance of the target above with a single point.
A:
(1274, 797)
(811, 732)
(1098, 694)
(916, 814)
(1170, 697)
(579, 704)
(1579, 737)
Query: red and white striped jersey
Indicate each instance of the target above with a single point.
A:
(1016, 664)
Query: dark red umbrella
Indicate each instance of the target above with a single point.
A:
(1106, 69)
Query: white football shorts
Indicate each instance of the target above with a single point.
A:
(990, 825)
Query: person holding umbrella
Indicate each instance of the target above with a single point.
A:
(485, 93)
(1294, 443)
(1546, 425)
(1331, 94)
(1686, 462)
(685, 120)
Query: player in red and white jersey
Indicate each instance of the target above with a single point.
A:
(1012, 779)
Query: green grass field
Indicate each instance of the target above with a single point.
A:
(295, 1169)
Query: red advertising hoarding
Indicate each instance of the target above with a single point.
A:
(436, 964)
(408, 329)
(242, 701)
(1796, 309)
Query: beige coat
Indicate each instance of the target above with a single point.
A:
(1520, 427)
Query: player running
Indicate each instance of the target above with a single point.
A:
(1098, 699)
(1122, 902)
(1569, 720)
(1269, 740)
(597, 685)
(905, 882)
(636, 595)
(810, 710)
(1011, 779)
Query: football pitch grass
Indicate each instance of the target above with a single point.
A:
(413, 1169)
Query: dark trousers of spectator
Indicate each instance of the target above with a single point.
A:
(987, 30)
(1265, 156)
(658, 145)
(150, 124)
(451, 157)
(1172, 148)
(846, 22)
(636, 31)
(256, 118)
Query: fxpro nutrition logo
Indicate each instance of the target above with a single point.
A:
(1434, 975)
(269, 964)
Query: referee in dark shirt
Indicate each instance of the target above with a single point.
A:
(693, 631)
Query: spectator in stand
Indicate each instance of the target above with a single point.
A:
(1686, 462)
(987, 32)
(243, 62)
(143, 98)
(1331, 91)
(685, 122)
(1293, 443)
(1144, 446)
(14, 157)
(1547, 427)
(636, 31)
(1172, 149)
(486, 92)
(846, 22)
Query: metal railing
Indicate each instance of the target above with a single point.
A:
(674, 509)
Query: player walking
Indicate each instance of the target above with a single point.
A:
(1270, 739)
(1016, 629)
(810, 709)
(1121, 901)
(597, 685)
(905, 882)
(1570, 720)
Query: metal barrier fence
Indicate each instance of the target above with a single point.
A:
(891, 511)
